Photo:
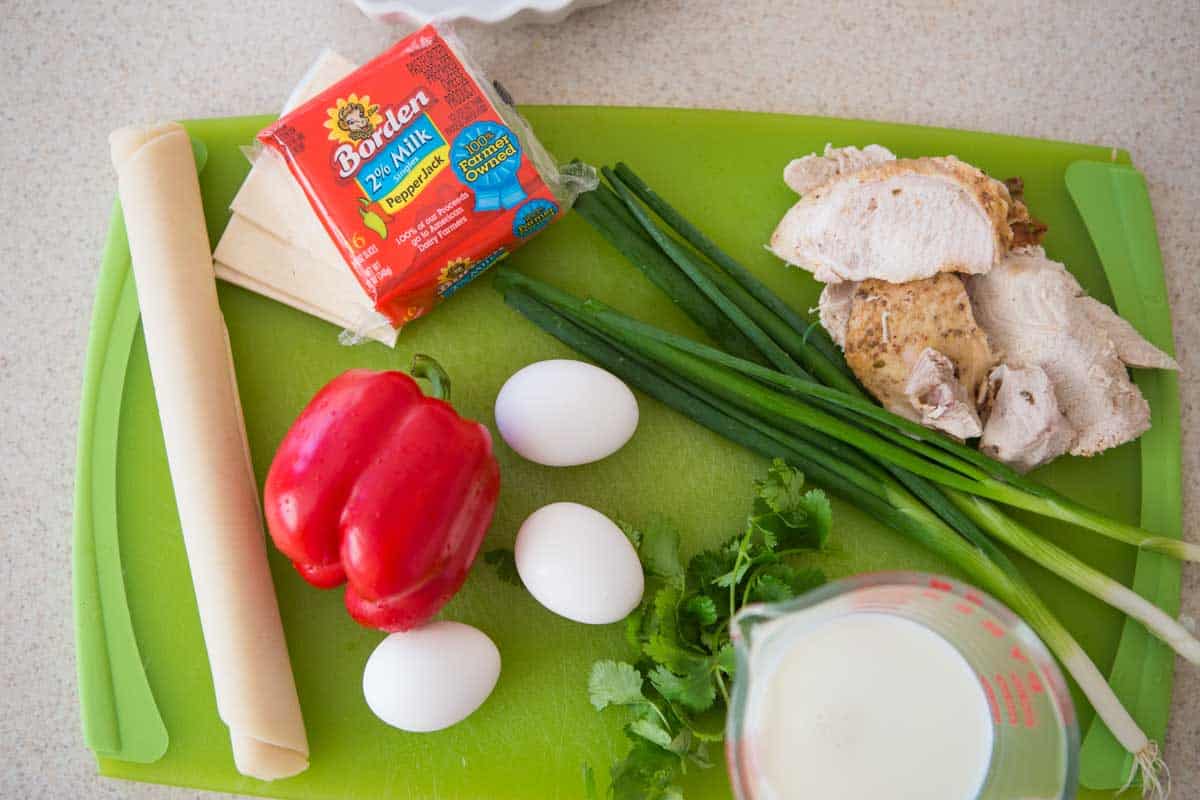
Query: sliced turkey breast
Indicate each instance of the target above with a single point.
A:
(1025, 427)
(1131, 347)
(891, 325)
(1036, 313)
(807, 173)
(834, 309)
(935, 392)
(898, 221)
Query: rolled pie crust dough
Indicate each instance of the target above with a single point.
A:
(209, 459)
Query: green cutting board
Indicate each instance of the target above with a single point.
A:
(537, 730)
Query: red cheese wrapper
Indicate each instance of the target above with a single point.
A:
(422, 175)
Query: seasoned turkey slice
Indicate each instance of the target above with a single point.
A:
(898, 221)
(891, 325)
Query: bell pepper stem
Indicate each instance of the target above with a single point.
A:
(426, 368)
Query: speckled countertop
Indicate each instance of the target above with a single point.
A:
(1116, 73)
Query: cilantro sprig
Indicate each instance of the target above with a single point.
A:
(677, 687)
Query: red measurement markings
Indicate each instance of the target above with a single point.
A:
(1023, 698)
(940, 585)
(993, 627)
(974, 598)
(883, 598)
(963, 608)
(1010, 704)
(991, 697)
(1035, 683)
(931, 594)
(1018, 654)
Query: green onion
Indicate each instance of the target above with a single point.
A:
(815, 336)
(665, 275)
(703, 281)
(1048, 555)
(855, 484)
(895, 508)
(616, 207)
(1004, 484)
(1091, 580)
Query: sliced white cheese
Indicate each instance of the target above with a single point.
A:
(273, 200)
(277, 247)
(253, 258)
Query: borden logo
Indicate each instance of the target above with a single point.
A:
(363, 131)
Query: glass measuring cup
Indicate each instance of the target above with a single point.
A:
(1035, 739)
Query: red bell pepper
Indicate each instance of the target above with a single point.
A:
(385, 489)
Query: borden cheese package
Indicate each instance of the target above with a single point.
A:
(422, 175)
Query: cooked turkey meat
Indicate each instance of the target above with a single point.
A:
(1025, 427)
(935, 393)
(891, 325)
(808, 172)
(1036, 313)
(898, 221)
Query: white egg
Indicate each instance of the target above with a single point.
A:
(562, 413)
(431, 677)
(576, 562)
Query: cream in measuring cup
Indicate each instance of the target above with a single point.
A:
(897, 685)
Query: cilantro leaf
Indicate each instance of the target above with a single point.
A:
(665, 651)
(631, 533)
(782, 488)
(646, 773)
(659, 617)
(615, 683)
(727, 659)
(805, 580)
(706, 566)
(820, 515)
(734, 576)
(702, 608)
(699, 755)
(633, 626)
(776, 583)
(703, 571)
(505, 563)
(694, 690)
(682, 742)
(798, 581)
(681, 630)
(659, 551)
(652, 730)
(785, 515)
(770, 589)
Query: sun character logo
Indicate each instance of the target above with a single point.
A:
(353, 119)
(453, 271)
